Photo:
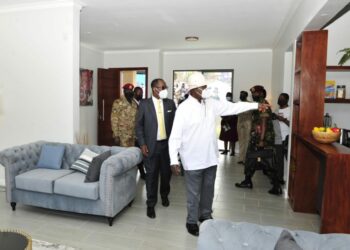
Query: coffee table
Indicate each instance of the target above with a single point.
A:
(15, 240)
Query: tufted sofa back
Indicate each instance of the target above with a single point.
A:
(29, 154)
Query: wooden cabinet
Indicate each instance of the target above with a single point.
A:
(319, 178)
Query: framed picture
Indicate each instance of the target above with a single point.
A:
(86, 87)
(220, 82)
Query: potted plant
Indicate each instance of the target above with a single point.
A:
(345, 57)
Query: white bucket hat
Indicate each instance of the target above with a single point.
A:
(196, 80)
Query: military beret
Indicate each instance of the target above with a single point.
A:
(128, 86)
(257, 88)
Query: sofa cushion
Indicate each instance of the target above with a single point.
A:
(84, 161)
(93, 173)
(40, 179)
(74, 185)
(51, 156)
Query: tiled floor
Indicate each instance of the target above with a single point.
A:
(133, 230)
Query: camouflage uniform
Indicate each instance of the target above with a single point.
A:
(269, 139)
(123, 119)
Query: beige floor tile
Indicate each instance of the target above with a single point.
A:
(132, 229)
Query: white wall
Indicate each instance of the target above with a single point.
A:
(92, 60)
(39, 73)
(250, 67)
(136, 58)
(297, 22)
(339, 38)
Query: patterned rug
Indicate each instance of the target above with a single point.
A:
(43, 245)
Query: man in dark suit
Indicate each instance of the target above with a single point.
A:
(154, 121)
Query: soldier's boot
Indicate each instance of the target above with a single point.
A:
(247, 183)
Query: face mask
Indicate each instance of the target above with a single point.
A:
(129, 95)
(138, 97)
(229, 99)
(281, 102)
(163, 94)
(205, 94)
(256, 98)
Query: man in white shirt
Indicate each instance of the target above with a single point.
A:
(283, 116)
(193, 136)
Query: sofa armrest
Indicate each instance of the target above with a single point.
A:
(17, 160)
(116, 166)
(122, 162)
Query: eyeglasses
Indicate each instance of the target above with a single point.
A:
(161, 88)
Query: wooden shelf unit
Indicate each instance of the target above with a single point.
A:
(337, 100)
(319, 175)
(334, 68)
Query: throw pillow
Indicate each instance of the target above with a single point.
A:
(286, 242)
(84, 161)
(93, 173)
(51, 156)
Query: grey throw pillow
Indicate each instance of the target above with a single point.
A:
(93, 173)
(286, 242)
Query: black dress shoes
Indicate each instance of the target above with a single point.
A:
(241, 162)
(245, 184)
(202, 219)
(224, 152)
(165, 202)
(151, 213)
(275, 190)
(192, 229)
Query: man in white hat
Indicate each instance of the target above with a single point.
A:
(193, 136)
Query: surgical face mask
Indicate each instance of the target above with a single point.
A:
(163, 94)
(229, 98)
(205, 93)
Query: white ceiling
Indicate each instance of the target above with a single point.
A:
(164, 24)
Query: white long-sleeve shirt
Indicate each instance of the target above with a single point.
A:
(193, 134)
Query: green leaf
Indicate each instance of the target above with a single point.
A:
(345, 57)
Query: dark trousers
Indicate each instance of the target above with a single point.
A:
(158, 163)
(140, 165)
(259, 159)
(279, 163)
(200, 186)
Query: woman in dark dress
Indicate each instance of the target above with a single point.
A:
(229, 130)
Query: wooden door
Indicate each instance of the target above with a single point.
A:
(109, 83)
(108, 91)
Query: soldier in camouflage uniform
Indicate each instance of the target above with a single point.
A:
(123, 118)
(262, 134)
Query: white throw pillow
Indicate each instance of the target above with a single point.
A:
(84, 161)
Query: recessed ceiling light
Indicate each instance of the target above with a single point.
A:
(324, 14)
(191, 38)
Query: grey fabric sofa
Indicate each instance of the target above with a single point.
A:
(65, 189)
(223, 234)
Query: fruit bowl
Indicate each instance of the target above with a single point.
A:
(325, 137)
